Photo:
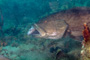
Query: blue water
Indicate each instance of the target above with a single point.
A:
(17, 16)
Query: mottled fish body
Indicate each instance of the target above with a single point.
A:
(57, 25)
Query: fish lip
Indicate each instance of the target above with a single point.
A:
(35, 31)
(41, 31)
(32, 31)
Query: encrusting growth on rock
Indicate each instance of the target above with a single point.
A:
(86, 33)
(85, 52)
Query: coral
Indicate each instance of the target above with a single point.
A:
(85, 52)
(86, 33)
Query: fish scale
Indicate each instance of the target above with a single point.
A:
(57, 24)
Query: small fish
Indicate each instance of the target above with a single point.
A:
(66, 22)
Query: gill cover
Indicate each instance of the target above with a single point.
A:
(41, 31)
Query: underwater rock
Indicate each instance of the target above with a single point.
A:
(60, 55)
(74, 54)
(85, 52)
(54, 49)
(3, 58)
(54, 5)
(59, 24)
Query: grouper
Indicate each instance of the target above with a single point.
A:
(57, 25)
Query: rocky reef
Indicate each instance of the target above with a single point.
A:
(17, 18)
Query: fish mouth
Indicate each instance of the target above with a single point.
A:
(33, 31)
(36, 31)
